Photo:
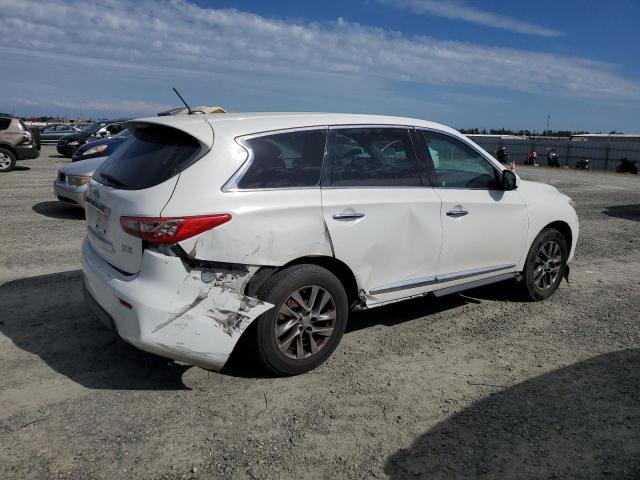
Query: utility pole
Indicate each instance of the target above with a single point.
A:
(548, 118)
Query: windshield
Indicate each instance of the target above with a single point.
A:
(123, 134)
(94, 127)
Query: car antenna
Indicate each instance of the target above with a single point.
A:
(185, 103)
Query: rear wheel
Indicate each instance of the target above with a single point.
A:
(307, 322)
(545, 265)
(7, 160)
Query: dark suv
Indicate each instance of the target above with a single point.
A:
(68, 144)
(16, 142)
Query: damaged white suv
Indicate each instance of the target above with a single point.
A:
(203, 228)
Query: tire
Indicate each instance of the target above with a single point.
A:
(533, 287)
(274, 352)
(7, 160)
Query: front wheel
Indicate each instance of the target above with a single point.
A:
(545, 265)
(307, 322)
(7, 160)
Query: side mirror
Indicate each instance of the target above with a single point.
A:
(509, 180)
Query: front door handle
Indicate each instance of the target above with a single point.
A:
(347, 217)
(457, 212)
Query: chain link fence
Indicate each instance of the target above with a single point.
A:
(603, 154)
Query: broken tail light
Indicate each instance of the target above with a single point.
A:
(166, 230)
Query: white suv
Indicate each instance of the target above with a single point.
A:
(203, 228)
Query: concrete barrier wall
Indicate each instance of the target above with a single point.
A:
(604, 155)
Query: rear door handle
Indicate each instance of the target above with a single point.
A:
(456, 212)
(347, 217)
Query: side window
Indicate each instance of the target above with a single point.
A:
(374, 157)
(457, 165)
(285, 160)
(4, 123)
(114, 128)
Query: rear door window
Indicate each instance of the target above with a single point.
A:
(4, 123)
(284, 160)
(152, 155)
(374, 157)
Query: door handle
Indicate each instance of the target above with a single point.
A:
(457, 212)
(347, 217)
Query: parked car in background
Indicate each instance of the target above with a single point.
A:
(72, 180)
(54, 132)
(16, 142)
(100, 148)
(68, 144)
(288, 221)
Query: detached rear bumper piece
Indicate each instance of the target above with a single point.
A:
(169, 311)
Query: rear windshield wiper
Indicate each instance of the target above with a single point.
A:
(112, 179)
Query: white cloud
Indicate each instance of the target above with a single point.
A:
(457, 10)
(264, 56)
(133, 107)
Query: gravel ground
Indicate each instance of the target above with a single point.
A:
(468, 386)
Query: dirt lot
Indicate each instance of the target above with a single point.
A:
(474, 385)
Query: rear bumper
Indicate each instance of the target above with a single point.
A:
(69, 193)
(166, 310)
(26, 152)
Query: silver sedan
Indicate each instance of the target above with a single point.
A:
(73, 179)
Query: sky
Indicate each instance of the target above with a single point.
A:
(464, 63)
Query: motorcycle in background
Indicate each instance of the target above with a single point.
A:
(553, 160)
(501, 155)
(583, 164)
(627, 166)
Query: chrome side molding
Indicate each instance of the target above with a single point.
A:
(446, 277)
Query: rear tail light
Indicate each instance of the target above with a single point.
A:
(171, 229)
(26, 137)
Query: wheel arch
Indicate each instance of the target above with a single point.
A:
(340, 269)
(8, 146)
(565, 229)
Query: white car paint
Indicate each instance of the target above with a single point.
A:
(194, 309)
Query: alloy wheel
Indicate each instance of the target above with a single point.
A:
(305, 322)
(5, 160)
(547, 265)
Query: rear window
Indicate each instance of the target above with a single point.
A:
(4, 123)
(284, 160)
(152, 155)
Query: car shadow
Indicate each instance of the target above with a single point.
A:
(627, 212)
(244, 362)
(60, 210)
(46, 316)
(580, 421)
(20, 168)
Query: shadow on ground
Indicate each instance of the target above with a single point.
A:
(20, 168)
(60, 210)
(46, 316)
(244, 363)
(581, 421)
(628, 212)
